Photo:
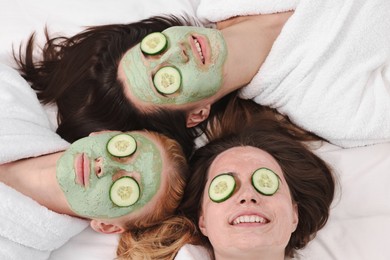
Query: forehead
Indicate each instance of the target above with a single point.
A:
(243, 159)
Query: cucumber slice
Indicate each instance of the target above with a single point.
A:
(167, 80)
(121, 145)
(222, 187)
(124, 191)
(265, 181)
(154, 43)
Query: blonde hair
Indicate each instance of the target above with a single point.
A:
(159, 242)
(160, 235)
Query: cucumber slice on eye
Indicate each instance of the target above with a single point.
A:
(265, 181)
(121, 145)
(154, 43)
(125, 191)
(222, 187)
(167, 80)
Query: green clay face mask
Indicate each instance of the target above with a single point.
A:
(197, 53)
(87, 187)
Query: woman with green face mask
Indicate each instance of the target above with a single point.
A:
(297, 62)
(117, 182)
(92, 71)
(79, 75)
(291, 61)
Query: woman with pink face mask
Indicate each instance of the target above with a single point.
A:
(257, 193)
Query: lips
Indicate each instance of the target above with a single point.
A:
(82, 169)
(245, 219)
(198, 45)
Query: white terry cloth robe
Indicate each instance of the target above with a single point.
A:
(328, 70)
(28, 230)
(25, 129)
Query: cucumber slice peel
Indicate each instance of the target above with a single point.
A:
(125, 191)
(222, 187)
(154, 43)
(167, 80)
(121, 145)
(265, 181)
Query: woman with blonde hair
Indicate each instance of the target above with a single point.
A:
(117, 182)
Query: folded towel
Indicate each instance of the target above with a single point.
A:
(25, 129)
(29, 230)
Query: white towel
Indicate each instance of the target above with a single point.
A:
(218, 10)
(329, 69)
(192, 252)
(29, 230)
(25, 129)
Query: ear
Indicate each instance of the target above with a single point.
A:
(197, 116)
(295, 217)
(106, 228)
(202, 225)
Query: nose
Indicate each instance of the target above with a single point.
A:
(248, 200)
(176, 54)
(98, 167)
(248, 195)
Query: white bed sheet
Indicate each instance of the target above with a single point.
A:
(360, 219)
(359, 224)
(21, 17)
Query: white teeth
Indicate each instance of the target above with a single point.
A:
(249, 219)
(199, 49)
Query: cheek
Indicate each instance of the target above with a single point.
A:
(211, 216)
(214, 223)
(287, 220)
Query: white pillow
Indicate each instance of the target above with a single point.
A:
(19, 18)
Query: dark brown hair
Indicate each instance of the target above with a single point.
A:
(79, 75)
(232, 113)
(309, 178)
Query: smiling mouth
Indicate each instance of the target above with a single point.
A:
(249, 219)
(82, 170)
(199, 50)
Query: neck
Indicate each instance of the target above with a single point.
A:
(36, 178)
(249, 40)
(267, 254)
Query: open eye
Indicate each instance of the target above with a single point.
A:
(121, 145)
(154, 43)
(222, 187)
(167, 80)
